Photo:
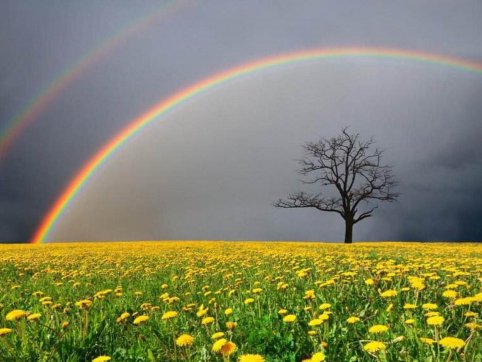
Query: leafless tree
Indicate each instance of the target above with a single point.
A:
(354, 169)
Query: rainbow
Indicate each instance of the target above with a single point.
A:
(14, 127)
(177, 99)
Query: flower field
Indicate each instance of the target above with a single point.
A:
(234, 301)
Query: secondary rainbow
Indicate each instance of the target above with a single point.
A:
(175, 100)
(13, 128)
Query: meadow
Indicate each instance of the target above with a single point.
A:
(240, 301)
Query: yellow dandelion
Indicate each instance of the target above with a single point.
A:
(5, 331)
(249, 301)
(15, 315)
(464, 301)
(228, 348)
(428, 341)
(471, 314)
(325, 306)
(123, 317)
(315, 322)
(318, 357)
(389, 293)
(251, 358)
(378, 328)
(409, 306)
(83, 304)
(435, 321)
(184, 340)
(228, 311)
(141, 320)
(452, 342)
(429, 306)
(290, 318)
(312, 333)
(101, 359)
(34, 317)
(169, 315)
(410, 321)
(369, 282)
(217, 335)
(353, 320)
(374, 347)
(450, 294)
(219, 344)
(473, 326)
(207, 320)
(282, 311)
(231, 325)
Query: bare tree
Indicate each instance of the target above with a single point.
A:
(354, 170)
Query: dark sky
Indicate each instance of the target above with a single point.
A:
(212, 168)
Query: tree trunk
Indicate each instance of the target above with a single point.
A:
(348, 230)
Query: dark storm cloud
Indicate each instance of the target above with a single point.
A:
(39, 40)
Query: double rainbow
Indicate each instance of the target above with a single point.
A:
(177, 99)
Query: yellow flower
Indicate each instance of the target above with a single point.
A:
(353, 320)
(449, 294)
(471, 314)
(375, 346)
(464, 301)
(428, 341)
(410, 321)
(123, 317)
(15, 315)
(282, 311)
(141, 319)
(369, 282)
(473, 326)
(207, 320)
(318, 357)
(249, 301)
(312, 333)
(217, 335)
(429, 306)
(169, 314)
(435, 321)
(231, 325)
(184, 340)
(228, 348)
(452, 342)
(219, 344)
(83, 304)
(64, 325)
(389, 293)
(228, 311)
(325, 306)
(101, 359)
(315, 322)
(251, 358)
(409, 306)
(34, 317)
(5, 331)
(378, 328)
(290, 318)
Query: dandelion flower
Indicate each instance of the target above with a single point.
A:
(389, 293)
(141, 320)
(251, 358)
(435, 321)
(249, 301)
(353, 320)
(184, 340)
(473, 326)
(231, 325)
(450, 294)
(169, 314)
(374, 347)
(378, 328)
(123, 317)
(219, 344)
(318, 357)
(315, 322)
(34, 317)
(429, 306)
(5, 331)
(228, 311)
(290, 318)
(83, 304)
(325, 306)
(217, 335)
(207, 320)
(228, 348)
(428, 341)
(101, 359)
(409, 306)
(410, 321)
(452, 342)
(282, 311)
(15, 315)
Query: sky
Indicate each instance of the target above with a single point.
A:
(213, 167)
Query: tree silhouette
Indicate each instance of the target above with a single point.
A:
(354, 170)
